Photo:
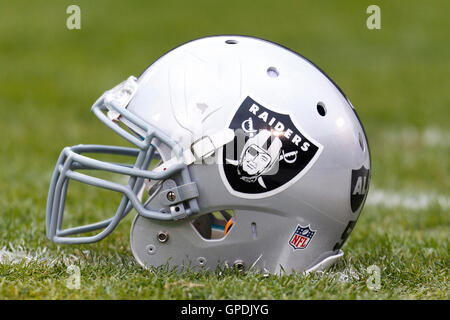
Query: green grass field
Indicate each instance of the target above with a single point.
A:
(396, 77)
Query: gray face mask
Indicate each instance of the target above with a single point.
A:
(114, 102)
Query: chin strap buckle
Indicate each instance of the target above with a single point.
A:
(206, 146)
(200, 149)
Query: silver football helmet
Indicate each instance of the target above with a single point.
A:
(247, 155)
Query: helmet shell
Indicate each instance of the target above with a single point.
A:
(204, 86)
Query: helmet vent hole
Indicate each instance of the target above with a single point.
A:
(254, 233)
(231, 41)
(321, 109)
(272, 72)
(361, 143)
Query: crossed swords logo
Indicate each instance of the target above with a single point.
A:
(289, 157)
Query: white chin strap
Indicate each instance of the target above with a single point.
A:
(202, 148)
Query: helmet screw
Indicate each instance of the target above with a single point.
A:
(171, 196)
(239, 265)
(163, 236)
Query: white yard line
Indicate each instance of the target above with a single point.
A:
(430, 136)
(14, 255)
(411, 201)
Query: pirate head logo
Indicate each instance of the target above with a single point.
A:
(268, 152)
(359, 187)
(256, 159)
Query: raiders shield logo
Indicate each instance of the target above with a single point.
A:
(359, 187)
(268, 153)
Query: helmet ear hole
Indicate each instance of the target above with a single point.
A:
(203, 225)
(214, 225)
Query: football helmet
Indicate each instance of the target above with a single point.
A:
(246, 155)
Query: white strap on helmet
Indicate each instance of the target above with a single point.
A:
(201, 149)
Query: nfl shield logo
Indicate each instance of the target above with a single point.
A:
(301, 237)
